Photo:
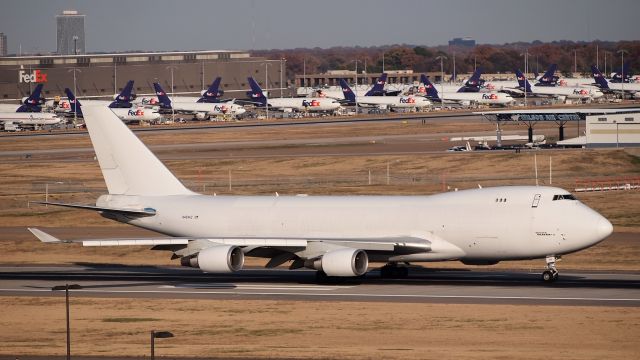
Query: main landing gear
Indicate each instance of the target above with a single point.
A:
(394, 271)
(550, 275)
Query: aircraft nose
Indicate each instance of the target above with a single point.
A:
(604, 228)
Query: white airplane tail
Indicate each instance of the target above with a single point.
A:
(128, 166)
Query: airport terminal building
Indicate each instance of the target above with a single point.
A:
(105, 74)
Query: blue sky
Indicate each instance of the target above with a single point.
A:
(118, 25)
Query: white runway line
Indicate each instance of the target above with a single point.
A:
(338, 295)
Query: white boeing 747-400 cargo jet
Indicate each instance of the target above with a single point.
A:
(336, 235)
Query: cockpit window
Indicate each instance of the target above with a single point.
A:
(564, 197)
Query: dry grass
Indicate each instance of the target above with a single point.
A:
(325, 330)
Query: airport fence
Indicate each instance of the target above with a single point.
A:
(607, 184)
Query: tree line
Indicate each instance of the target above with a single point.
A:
(492, 58)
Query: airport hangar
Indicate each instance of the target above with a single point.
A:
(106, 74)
(608, 127)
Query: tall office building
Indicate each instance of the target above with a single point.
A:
(3, 44)
(70, 33)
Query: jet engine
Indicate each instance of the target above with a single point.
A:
(341, 262)
(217, 259)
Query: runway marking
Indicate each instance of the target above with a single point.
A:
(254, 287)
(381, 296)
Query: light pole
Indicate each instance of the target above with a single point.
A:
(66, 288)
(356, 86)
(75, 93)
(526, 70)
(158, 335)
(441, 58)
(453, 75)
(575, 62)
(46, 191)
(173, 114)
(115, 77)
(282, 60)
(266, 88)
(622, 52)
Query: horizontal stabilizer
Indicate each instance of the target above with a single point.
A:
(123, 211)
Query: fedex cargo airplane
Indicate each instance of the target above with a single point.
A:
(200, 110)
(465, 98)
(391, 102)
(211, 95)
(131, 114)
(31, 103)
(552, 91)
(298, 104)
(630, 88)
(339, 236)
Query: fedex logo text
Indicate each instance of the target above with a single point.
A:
(35, 77)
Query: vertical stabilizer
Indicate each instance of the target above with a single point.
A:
(347, 92)
(32, 103)
(128, 166)
(74, 103)
(431, 91)
(522, 81)
(256, 93)
(378, 87)
(213, 93)
(601, 82)
(123, 100)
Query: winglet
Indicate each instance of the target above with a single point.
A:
(44, 237)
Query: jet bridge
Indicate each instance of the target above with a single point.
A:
(559, 116)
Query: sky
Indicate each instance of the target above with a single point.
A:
(161, 25)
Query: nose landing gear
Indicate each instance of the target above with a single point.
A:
(550, 275)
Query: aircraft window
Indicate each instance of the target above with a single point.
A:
(564, 197)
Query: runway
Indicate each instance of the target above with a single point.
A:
(589, 288)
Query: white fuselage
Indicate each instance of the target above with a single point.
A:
(483, 98)
(210, 109)
(29, 118)
(304, 104)
(491, 224)
(393, 101)
(566, 92)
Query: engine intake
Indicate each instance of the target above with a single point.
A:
(217, 259)
(341, 262)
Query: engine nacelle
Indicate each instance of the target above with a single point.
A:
(342, 262)
(201, 116)
(218, 259)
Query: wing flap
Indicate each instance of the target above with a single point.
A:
(398, 245)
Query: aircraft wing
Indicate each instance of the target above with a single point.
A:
(397, 245)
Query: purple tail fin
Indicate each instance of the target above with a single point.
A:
(549, 78)
(256, 93)
(76, 107)
(522, 81)
(212, 94)
(431, 91)
(601, 82)
(378, 87)
(32, 103)
(163, 99)
(123, 100)
(347, 92)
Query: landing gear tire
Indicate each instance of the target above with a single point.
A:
(548, 276)
(393, 271)
(323, 278)
(551, 274)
